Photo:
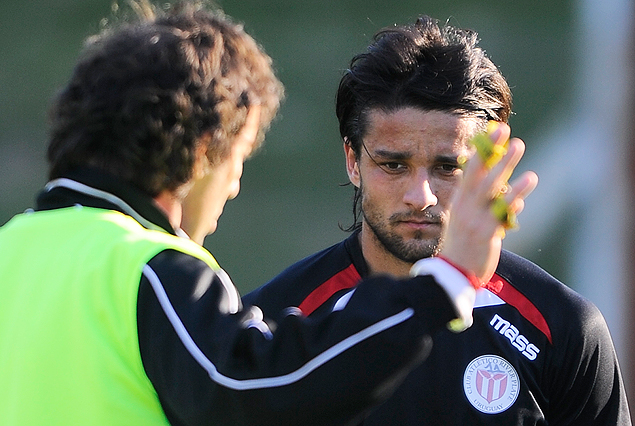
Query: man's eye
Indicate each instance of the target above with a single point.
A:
(450, 169)
(392, 166)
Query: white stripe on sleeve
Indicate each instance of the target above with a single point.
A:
(266, 382)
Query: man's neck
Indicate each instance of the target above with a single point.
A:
(378, 259)
(171, 206)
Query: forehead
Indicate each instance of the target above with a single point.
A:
(411, 128)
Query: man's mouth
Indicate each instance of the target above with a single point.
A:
(423, 219)
(419, 223)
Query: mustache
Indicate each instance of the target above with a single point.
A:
(419, 216)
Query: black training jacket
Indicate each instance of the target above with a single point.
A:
(537, 354)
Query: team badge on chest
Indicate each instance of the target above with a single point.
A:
(491, 384)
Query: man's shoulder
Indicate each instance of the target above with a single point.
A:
(556, 301)
(299, 280)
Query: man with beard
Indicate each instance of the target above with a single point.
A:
(537, 352)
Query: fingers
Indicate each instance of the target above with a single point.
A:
(520, 189)
(502, 171)
(491, 148)
(506, 208)
(505, 201)
(496, 186)
(499, 132)
(481, 210)
(491, 145)
(488, 183)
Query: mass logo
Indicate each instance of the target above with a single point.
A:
(491, 384)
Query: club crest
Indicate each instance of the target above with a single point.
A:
(491, 384)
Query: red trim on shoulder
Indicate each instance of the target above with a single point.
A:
(511, 296)
(346, 278)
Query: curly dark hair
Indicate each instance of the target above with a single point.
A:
(424, 66)
(143, 96)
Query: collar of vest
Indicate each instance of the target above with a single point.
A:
(94, 188)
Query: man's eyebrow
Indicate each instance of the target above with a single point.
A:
(385, 154)
(393, 155)
(447, 158)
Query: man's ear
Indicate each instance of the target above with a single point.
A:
(201, 162)
(352, 166)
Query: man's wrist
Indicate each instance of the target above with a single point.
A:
(471, 276)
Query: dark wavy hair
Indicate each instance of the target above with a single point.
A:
(143, 96)
(424, 66)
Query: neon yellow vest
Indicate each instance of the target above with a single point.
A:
(69, 352)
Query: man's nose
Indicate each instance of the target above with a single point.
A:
(419, 194)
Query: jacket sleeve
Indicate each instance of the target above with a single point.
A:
(586, 380)
(210, 365)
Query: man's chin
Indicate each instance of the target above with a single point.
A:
(405, 245)
(412, 250)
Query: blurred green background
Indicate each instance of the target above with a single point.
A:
(292, 200)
